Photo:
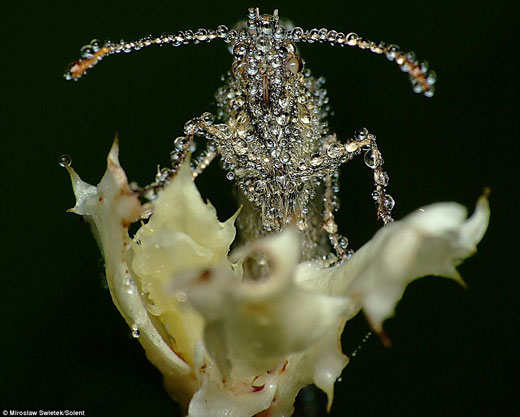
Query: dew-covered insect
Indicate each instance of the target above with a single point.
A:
(271, 130)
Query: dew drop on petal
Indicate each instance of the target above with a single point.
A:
(181, 297)
(135, 331)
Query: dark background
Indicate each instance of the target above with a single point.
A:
(64, 345)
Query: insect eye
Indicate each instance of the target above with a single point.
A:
(294, 64)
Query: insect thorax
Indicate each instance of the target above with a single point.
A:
(277, 136)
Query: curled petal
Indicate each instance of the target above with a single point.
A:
(272, 323)
(431, 241)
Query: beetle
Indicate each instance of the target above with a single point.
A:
(270, 129)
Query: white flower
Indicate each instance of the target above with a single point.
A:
(227, 346)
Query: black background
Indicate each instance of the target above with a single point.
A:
(64, 345)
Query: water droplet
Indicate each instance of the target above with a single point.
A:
(362, 134)
(230, 175)
(240, 147)
(305, 118)
(135, 331)
(150, 194)
(239, 49)
(316, 161)
(201, 35)
(352, 38)
(381, 178)
(335, 150)
(343, 242)
(242, 131)
(208, 118)
(285, 157)
(284, 102)
(431, 78)
(389, 202)
(179, 143)
(260, 186)
(95, 44)
(225, 130)
(370, 159)
(418, 88)
(190, 127)
(65, 161)
(87, 51)
(181, 297)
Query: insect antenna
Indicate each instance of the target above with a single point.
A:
(95, 51)
(421, 77)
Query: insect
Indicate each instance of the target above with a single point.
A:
(270, 130)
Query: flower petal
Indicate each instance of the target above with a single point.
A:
(110, 208)
(183, 234)
(431, 241)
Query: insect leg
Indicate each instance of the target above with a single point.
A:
(338, 242)
(366, 142)
(203, 162)
(199, 126)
